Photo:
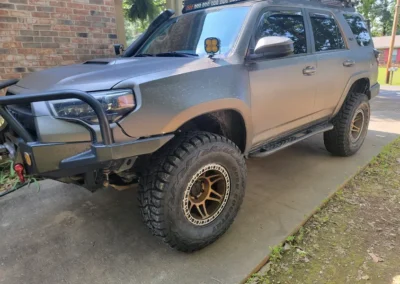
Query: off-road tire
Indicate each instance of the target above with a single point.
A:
(165, 177)
(338, 140)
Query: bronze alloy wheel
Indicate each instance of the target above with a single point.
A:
(357, 125)
(206, 194)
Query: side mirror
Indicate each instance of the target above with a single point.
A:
(273, 47)
(118, 48)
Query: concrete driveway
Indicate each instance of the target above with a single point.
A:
(64, 234)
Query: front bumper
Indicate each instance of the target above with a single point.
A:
(66, 159)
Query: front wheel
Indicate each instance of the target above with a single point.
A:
(191, 189)
(350, 126)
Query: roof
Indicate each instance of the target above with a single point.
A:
(383, 42)
(193, 5)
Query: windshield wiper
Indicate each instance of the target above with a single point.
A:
(145, 55)
(176, 54)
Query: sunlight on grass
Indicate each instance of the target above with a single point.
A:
(382, 76)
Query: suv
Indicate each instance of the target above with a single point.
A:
(189, 100)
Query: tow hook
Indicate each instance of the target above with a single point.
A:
(19, 170)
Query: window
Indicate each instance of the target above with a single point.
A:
(284, 23)
(327, 35)
(187, 33)
(359, 29)
(394, 55)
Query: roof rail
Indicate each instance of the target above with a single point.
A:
(191, 5)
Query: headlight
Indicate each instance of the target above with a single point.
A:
(116, 104)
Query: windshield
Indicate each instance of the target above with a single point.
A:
(186, 34)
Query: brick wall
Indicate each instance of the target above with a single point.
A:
(38, 34)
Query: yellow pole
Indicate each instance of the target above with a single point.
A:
(394, 31)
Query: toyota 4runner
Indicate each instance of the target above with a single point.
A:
(189, 100)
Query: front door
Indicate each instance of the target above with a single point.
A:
(282, 89)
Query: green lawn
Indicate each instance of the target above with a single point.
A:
(382, 76)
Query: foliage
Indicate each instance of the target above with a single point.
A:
(139, 14)
(379, 14)
(9, 181)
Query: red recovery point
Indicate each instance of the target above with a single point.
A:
(19, 169)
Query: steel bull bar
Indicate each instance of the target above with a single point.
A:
(34, 155)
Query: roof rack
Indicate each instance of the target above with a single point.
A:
(192, 5)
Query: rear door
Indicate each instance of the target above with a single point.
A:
(362, 45)
(335, 64)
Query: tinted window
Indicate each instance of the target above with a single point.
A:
(359, 29)
(284, 23)
(187, 33)
(326, 32)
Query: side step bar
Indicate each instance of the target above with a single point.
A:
(287, 141)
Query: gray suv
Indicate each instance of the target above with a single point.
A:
(194, 96)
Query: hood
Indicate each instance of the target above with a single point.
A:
(99, 74)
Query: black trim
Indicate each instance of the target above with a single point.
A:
(72, 158)
(105, 129)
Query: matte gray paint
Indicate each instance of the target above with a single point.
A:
(272, 96)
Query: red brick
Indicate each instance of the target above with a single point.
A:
(11, 76)
(25, 7)
(81, 12)
(45, 51)
(42, 39)
(77, 17)
(58, 4)
(41, 14)
(44, 9)
(37, 34)
(63, 10)
(75, 5)
(61, 28)
(27, 50)
(66, 34)
(18, 1)
(48, 33)
(60, 16)
(9, 6)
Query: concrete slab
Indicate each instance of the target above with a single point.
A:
(63, 234)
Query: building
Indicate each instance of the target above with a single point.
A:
(383, 44)
(38, 34)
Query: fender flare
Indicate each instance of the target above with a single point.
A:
(352, 80)
(216, 105)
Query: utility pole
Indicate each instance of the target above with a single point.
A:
(394, 31)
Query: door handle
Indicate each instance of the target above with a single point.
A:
(349, 63)
(309, 71)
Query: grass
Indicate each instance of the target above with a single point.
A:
(382, 77)
(9, 181)
(353, 238)
(8, 178)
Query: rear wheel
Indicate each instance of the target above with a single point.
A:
(191, 189)
(350, 126)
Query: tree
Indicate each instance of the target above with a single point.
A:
(366, 8)
(139, 14)
(383, 13)
(143, 10)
